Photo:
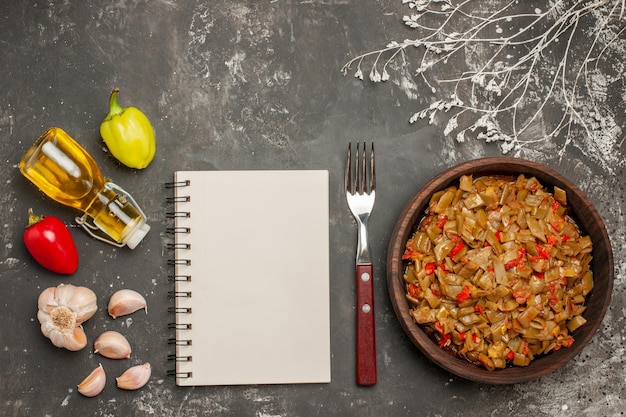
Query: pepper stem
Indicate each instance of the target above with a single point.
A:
(114, 108)
(33, 218)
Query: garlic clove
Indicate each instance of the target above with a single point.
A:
(75, 340)
(112, 345)
(65, 293)
(46, 299)
(94, 383)
(134, 377)
(83, 303)
(125, 302)
(47, 326)
(57, 338)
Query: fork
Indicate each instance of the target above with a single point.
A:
(360, 181)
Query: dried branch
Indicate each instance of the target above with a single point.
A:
(518, 64)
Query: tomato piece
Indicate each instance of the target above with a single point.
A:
(51, 244)
(429, 268)
(543, 252)
(458, 248)
(511, 264)
(521, 255)
(441, 220)
(414, 290)
(445, 340)
(463, 295)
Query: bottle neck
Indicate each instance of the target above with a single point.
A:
(114, 215)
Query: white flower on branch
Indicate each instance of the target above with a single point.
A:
(493, 87)
(411, 21)
(375, 75)
(452, 124)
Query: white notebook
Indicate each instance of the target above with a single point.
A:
(252, 277)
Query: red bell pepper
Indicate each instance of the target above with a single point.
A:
(49, 241)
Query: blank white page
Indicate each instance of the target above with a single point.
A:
(259, 286)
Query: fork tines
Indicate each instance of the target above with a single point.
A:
(359, 179)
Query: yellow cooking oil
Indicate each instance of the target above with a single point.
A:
(64, 171)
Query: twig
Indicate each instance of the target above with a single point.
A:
(508, 91)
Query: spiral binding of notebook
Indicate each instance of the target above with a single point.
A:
(177, 249)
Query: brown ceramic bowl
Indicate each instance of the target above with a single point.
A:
(585, 215)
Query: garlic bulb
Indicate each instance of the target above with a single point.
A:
(62, 310)
(125, 302)
(134, 377)
(94, 383)
(112, 345)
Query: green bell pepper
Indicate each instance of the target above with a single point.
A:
(128, 134)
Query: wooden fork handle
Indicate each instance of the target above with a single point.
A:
(365, 329)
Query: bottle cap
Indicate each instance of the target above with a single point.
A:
(136, 235)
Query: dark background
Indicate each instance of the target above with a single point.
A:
(255, 85)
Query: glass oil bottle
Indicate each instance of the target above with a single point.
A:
(64, 171)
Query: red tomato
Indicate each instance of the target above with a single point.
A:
(51, 244)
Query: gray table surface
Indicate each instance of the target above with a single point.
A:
(255, 85)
